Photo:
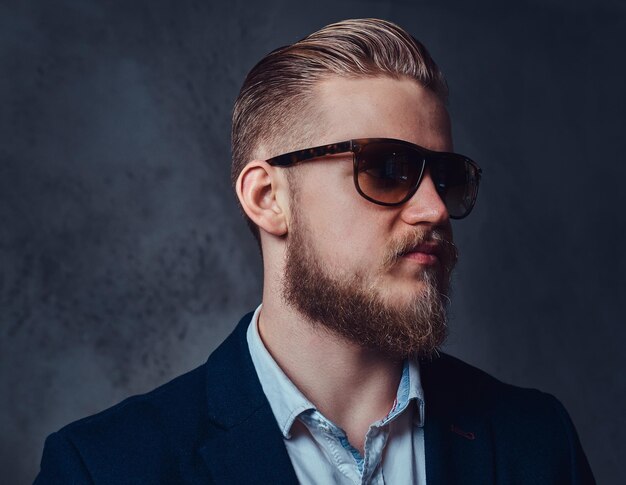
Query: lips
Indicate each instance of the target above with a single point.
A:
(425, 253)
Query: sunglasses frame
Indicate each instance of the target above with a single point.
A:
(356, 146)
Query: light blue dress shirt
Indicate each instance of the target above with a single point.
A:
(319, 450)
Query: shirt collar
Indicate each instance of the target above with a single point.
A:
(287, 402)
(409, 390)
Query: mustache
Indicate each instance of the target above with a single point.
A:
(446, 250)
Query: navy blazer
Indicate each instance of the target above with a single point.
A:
(215, 425)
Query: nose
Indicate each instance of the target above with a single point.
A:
(426, 206)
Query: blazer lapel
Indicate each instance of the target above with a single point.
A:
(457, 432)
(244, 444)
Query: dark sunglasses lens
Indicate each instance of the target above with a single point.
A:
(456, 180)
(387, 172)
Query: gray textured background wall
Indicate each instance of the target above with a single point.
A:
(123, 258)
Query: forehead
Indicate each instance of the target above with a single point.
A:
(371, 107)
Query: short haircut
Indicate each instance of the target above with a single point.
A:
(275, 97)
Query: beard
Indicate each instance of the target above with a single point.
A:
(353, 308)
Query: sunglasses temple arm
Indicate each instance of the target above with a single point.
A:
(310, 153)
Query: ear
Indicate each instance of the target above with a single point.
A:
(259, 190)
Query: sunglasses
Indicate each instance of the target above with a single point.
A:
(388, 172)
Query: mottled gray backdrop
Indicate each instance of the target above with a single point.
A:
(123, 258)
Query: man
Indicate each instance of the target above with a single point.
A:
(343, 166)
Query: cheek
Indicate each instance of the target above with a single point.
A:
(347, 231)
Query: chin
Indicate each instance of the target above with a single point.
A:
(403, 294)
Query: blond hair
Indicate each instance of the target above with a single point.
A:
(273, 102)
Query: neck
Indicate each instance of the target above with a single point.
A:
(350, 385)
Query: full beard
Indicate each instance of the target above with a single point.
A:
(354, 309)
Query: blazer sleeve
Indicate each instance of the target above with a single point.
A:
(61, 463)
(580, 471)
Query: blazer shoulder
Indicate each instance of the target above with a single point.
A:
(454, 379)
(167, 405)
(531, 430)
(157, 437)
(146, 435)
(180, 404)
(452, 386)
